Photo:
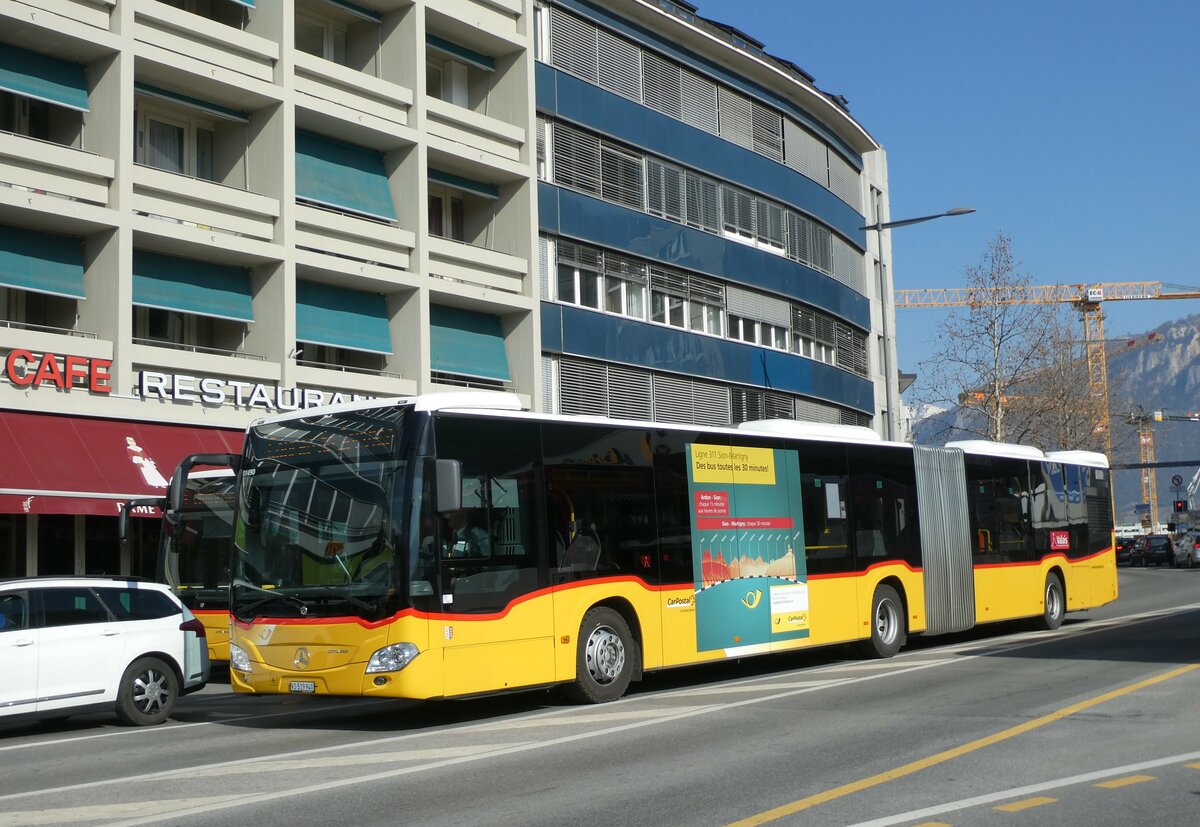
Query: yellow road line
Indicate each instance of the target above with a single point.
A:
(1193, 766)
(1117, 783)
(802, 804)
(1027, 804)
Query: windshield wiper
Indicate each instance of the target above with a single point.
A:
(349, 598)
(269, 597)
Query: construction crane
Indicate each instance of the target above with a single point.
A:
(1144, 420)
(1086, 297)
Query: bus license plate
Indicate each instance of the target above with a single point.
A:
(303, 686)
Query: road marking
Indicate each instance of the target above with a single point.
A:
(171, 727)
(97, 812)
(1117, 783)
(1027, 804)
(950, 754)
(327, 761)
(1193, 766)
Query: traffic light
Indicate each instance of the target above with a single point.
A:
(1181, 505)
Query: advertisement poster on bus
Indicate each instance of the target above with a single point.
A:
(747, 546)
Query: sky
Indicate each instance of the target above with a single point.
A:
(1071, 126)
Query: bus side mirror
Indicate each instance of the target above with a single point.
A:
(127, 508)
(179, 478)
(449, 485)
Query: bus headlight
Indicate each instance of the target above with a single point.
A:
(392, 658)
(238, 659)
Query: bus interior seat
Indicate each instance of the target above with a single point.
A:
(583, 554)
(869, 543)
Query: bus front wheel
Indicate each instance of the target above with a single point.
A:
(604, 661)
(1055, 604)
(887, 624)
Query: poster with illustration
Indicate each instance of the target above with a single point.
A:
(747, 546)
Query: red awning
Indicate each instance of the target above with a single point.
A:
(75, 465)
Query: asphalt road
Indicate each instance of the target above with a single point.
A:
(1097, 723)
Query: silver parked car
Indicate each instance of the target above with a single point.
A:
(1187, 550)
(70, 645)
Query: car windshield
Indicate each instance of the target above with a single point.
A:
(314, 530)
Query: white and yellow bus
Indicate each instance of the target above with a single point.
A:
(453, 545)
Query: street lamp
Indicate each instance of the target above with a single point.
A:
(887, 225)
(879, 227)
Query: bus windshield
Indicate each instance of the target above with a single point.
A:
(315, 533)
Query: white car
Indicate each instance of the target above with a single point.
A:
(80, 644)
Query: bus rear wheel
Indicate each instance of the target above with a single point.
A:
(887, 624)
(1055, 603)
(604, 660)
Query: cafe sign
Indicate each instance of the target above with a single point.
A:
(27, 369)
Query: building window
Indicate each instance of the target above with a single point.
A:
(447, 214)
(174, 141)
(311, 354)
(37, 311)
(321, 37)
(447, 80)
(154, 325)
(743, 329)
(579, 285)
(24, 116)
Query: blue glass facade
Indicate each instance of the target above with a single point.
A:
(570, 331)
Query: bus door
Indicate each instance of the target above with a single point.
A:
(495, 626)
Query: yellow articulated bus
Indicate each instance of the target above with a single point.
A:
(453, 545)
(193, 550)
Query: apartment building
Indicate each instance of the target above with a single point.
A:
(212, 210)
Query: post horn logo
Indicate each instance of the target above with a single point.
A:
(750, 601)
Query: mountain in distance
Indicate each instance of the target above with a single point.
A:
(1163, 375)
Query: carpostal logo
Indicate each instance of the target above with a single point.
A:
(680, 602)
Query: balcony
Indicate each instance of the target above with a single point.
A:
(352, 95)
(43, 339)
(203, 204)
(194, 360)
(499, 18)
(347, 381)
(94, 13)
(467, 264)
(463, 129)
(188, 43)
(353, 238)
(48, 168)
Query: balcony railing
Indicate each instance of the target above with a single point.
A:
(308, 363)
(211, 351)
(43, 328)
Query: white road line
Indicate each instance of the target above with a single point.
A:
(325, 761)
(73, 815)
(172, 727)
(1019, 792)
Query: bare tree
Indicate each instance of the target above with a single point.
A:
(995, 367)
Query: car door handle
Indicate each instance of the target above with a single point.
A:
(111, 632)
(23, 642)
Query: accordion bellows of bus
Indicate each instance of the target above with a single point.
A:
(454, 544)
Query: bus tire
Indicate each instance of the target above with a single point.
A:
(887, 624)
(1055, 603)
(147, 693)
(604, 660)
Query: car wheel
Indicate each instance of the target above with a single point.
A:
(604, 661)
(147, 693)
(888, 632)
(1055, 603)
